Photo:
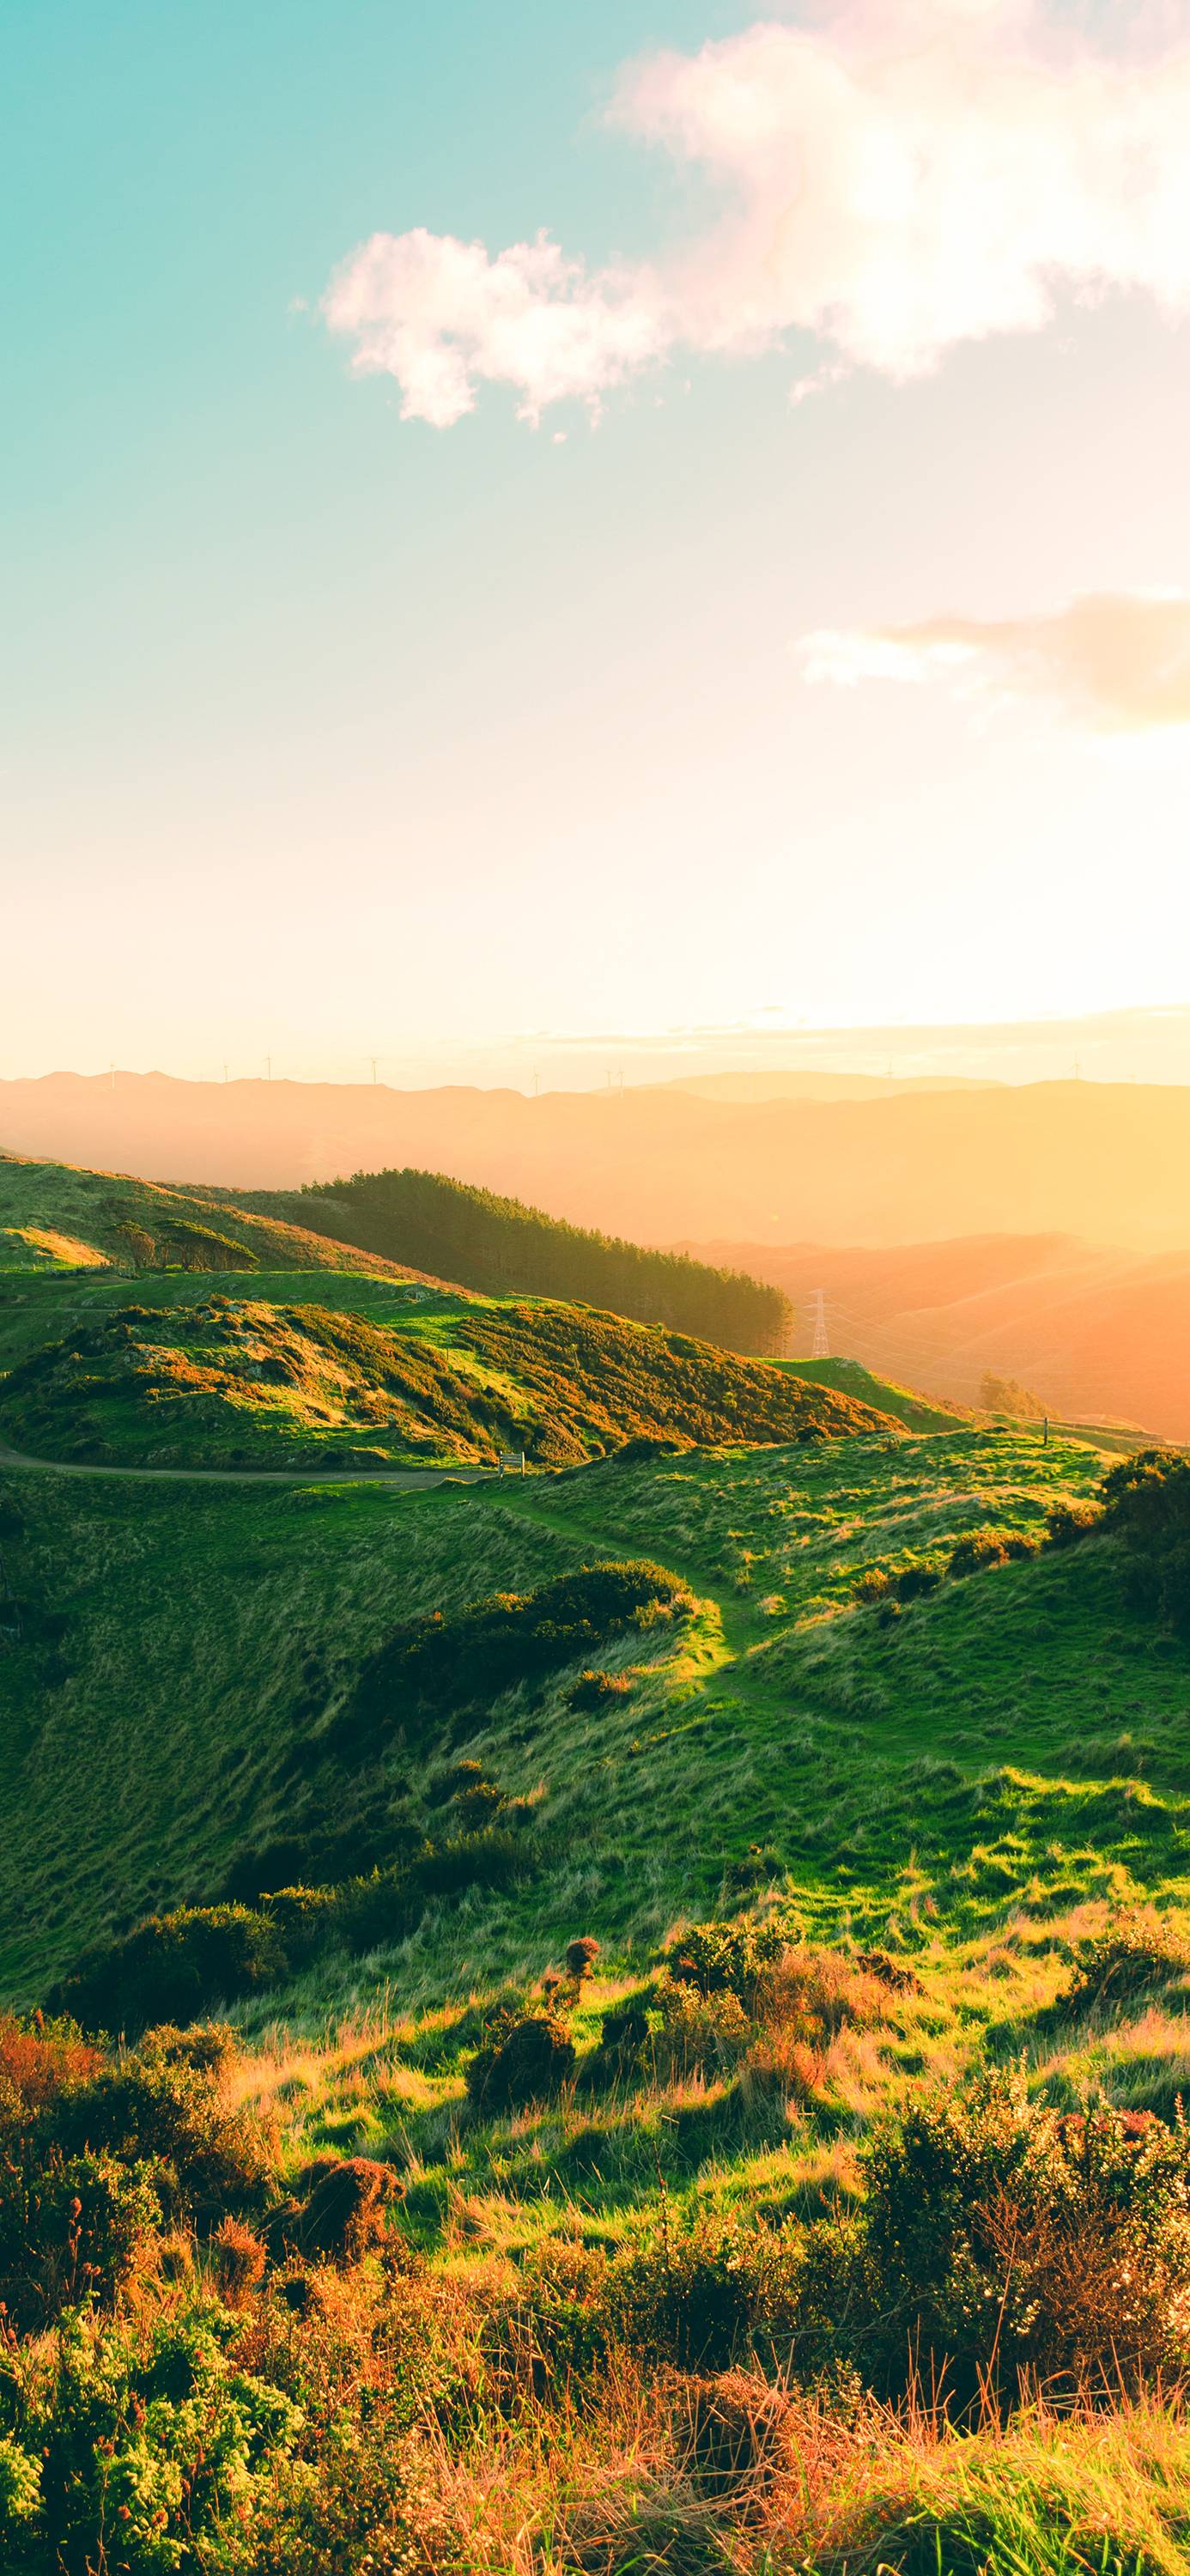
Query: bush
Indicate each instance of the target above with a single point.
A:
(708, 2294)
(915, 1580)
(730, 1957)
(390, 1904)
(982, 1548)
(526, 2062)
(1147, 1498)
(72, 2228)
(1137, 1949)
(162, 2110)
(156, 2452)
(172, 1968)
(699, 2033)
(596, 1692)
(1066, 1523)
(1003, 2240)
(438, 1662)
(38, 2058)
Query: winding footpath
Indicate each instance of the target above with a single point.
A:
(401, 1478)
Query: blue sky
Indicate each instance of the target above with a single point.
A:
(327, 732)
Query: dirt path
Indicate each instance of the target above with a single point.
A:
(403, 1478)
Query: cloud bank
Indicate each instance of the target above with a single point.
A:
(895, 185)
(1117, 661)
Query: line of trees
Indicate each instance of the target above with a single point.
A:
(459, 1232)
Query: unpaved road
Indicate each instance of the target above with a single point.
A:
(401, 1478)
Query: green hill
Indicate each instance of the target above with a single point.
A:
(241, 1383)
(498, 1244)
(177, 1653)
(58, 1216)
(683, 1932)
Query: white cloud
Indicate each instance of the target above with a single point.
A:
(439, 315)
(1117, 661)
(896, 184)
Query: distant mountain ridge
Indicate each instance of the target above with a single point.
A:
(1107, 1162)
(1095, 1332)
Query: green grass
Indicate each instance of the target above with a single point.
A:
(971, 1781)
(244, 1381)
(918, 1412)
(144, 1226)
(1013, 1738)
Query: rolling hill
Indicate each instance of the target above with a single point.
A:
(59, 1216)
(222, 1382)
(1108, 1162)
(1097, 1333)
(562, 1933)
(499, 1244)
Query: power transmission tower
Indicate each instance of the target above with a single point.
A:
(822, 1348)
(373, 1061)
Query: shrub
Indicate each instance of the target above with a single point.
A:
(581, 1956)
(529, 2060)
(1002, 2239)
(982, 1548)
(392, 1902)
(914, 1580)
(20, 2492)
(72, 2227)
(707, 2294)
(1147, 1498)
(595, 1691)
(172, 1968)
(238, 2258)
(38, 2058)
(338, 2209)
(1137, 1949)
(722, 1957)
(623, 2039)
(872, 1585)
(1066, 1523)
(156, 2451)
(817, 1993)
(699, 2032)
(160, 2109)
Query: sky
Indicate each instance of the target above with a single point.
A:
(538, 535)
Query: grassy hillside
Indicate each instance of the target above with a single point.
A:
(242, 1382)
(497, 1243)
(907, 1404)
(59, 1216)
(855, 1788)
(183, 1652)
